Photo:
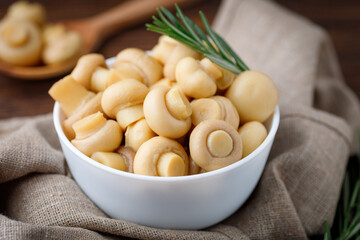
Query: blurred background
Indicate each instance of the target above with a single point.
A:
(340, 18)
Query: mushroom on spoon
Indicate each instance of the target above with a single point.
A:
(93, 31)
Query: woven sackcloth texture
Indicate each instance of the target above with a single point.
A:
(301, 182)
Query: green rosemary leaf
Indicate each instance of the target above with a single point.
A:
(212, 36)
(186, 24)
(173, 19)
(239, 62)
(354, 231)
(182, 29)
(327, 235)
(202, 35)
(170, 33)
(172, 27)
(355, 194)
(158, 23)
(221, 62)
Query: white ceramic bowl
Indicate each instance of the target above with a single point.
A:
(187, 202)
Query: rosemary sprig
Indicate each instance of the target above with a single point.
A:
(346, 225)
(184, 30)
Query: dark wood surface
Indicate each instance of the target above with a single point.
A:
(340, 18)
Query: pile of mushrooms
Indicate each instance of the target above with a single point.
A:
(27, 40)
(168, 113)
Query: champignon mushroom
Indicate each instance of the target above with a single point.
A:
(126, 70)
(254, 95)
(141, 64)
(123, 101)
(20, 42)
(193, 79)
(163, 82)
(215, 144)
(252, 135)
(87, 108)
(30, 12)
(86, 66)
(128, 155)
(169, 52)
(167, 111)
(96, 134)
(205, 109)
(216, 107)
(110, 159)
(222, 77)
(229, 113)
(161, 156)
(70, 94)
(138, 133)
(102, 78)
(162, 50)
(60, 45)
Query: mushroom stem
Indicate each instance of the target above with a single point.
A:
(177, 103)
(99, 79)
(219, 143)
(70, 94)
(170, 164)
(129, 115)
(88, 125)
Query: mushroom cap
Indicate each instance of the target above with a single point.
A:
(205, 109)
(178, 53)
(193, 79)
(65, 47)
(104, 137)
(52, 31)
(229, 112)
(254, 95)
(110, 159)
(125, 70)
(252, 135)
(160, 119)
(20, 42)
(199, 150)
(163, 82)
(138, 133)
(147, 65)
(23, 10)
(85, 67)
(149, 153)
(162, 50)
(122, 94)
(89, 107)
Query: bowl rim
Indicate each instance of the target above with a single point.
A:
(271, 135)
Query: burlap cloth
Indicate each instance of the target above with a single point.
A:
(300, 186)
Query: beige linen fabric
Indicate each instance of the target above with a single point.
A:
(301, 182)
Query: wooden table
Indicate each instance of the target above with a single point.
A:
(340, 18)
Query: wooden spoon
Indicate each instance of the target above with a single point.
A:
(93, 31)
